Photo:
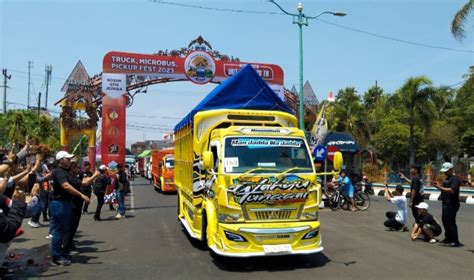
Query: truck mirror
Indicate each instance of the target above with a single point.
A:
(338, 161)
(208, 160)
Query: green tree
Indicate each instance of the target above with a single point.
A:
(347, 115)
(461, 113)
(16, 125)
(415, 95)
(443, 140)
(390, 143)
(375, 108)
(457, 25)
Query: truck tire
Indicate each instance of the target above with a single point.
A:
(179, 207)
(204, 228)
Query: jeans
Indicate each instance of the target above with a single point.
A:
(448, 216)
(121, 202)
(60, 211)
(44, 198)
(36, 212)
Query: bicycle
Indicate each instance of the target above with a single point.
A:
(338, 199)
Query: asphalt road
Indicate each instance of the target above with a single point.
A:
(150, 244)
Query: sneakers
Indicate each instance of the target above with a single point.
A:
(61, 261)
(49, 236)
(33, 224)
(432, 240)
(118, 216)
(404, 229)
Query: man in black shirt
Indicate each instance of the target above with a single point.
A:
(61, 205)
(450, 198)
(100, 186)
(425, 226)
(416, 188)
(87, 190)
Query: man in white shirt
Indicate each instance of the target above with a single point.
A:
(398, 220)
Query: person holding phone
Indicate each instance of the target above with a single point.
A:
(416, 188)
(450, 199)
(398, 220)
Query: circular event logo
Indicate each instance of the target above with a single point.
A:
(199, 67)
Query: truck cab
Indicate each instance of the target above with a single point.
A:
(163, 170)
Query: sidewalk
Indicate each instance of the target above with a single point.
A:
(431, 194)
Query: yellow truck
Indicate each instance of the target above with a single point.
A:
(244, 173)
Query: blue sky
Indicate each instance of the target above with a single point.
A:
(62, 32)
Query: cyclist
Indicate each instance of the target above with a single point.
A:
(347, 188)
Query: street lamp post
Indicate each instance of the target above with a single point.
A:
(301, 19)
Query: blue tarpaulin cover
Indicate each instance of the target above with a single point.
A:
(245, 90)
(344, 141)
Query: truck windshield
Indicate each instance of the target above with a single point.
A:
(266, 155)
(169, 163)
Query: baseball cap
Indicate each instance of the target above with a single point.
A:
(423, 205)
(63, 154)
(103, 167)
(446, 166)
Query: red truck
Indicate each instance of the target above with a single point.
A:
(163, 169)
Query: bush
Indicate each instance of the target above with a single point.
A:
(373, 171)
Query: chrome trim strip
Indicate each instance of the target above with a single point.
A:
(271, 209)
(273, 230)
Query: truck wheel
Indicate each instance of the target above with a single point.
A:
(204, 228)
(179, 207)
(160, 185)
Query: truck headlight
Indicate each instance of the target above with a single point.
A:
(311, 234)
(234, 236)
(228, 218)
(168, 181)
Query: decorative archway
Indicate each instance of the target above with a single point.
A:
(123, 72)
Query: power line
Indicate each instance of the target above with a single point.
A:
(380, 36)
(392, 38)
(153, 117)
(215, 9)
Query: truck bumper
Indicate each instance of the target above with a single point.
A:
(169, 188)
(269, 239)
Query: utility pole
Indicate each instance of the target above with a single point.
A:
(30, 65)
(5, 78)
(302, 20)
(48, 70)
(39, 103)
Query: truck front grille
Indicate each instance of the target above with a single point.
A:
(271, 213)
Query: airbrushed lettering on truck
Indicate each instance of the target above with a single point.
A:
(244, 174)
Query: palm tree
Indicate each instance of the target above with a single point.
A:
(457, 25)
(415, 95)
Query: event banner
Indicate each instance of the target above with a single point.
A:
(198, 67)
(113, 118)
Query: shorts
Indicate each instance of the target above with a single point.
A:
(349, 192)
(435, 229)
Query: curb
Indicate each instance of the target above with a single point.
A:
(468, 199)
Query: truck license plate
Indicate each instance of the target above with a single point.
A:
(271, 249)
